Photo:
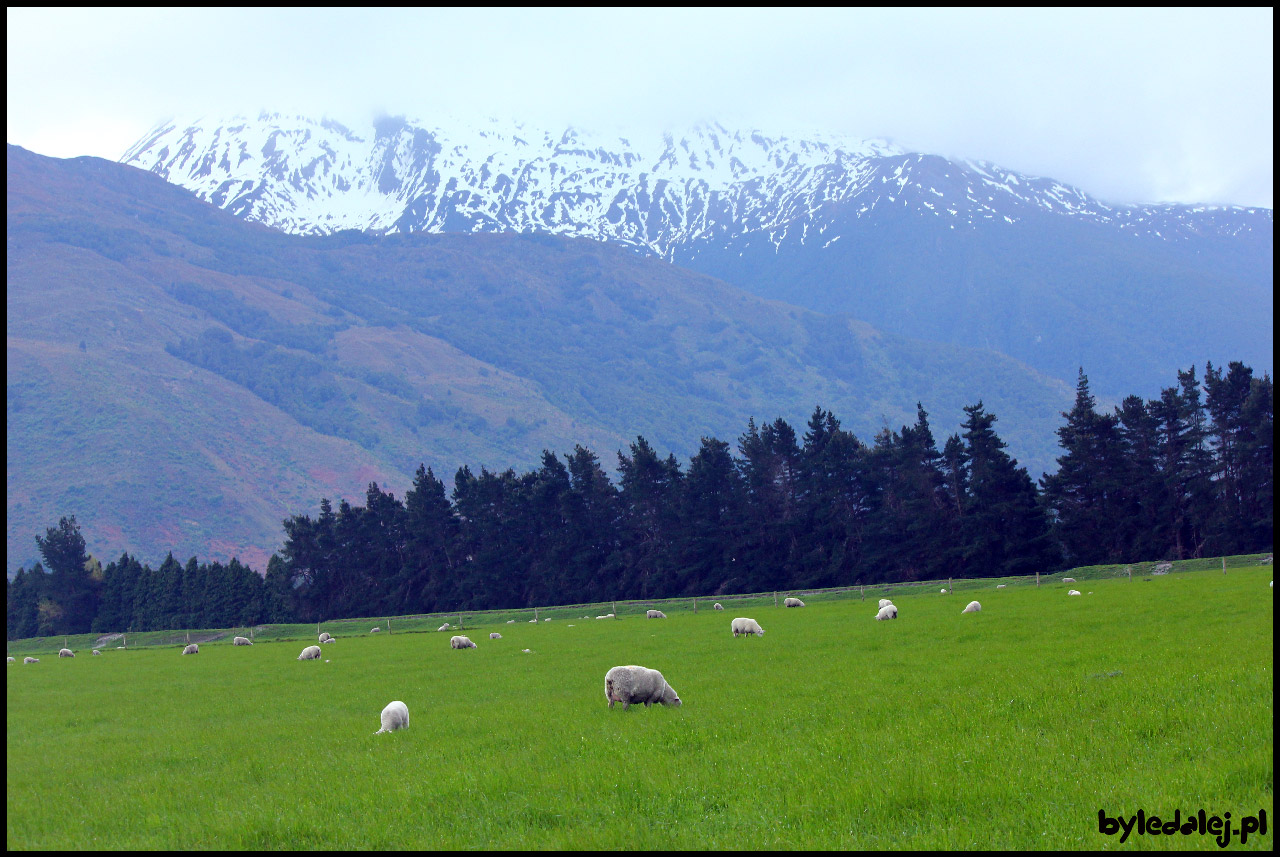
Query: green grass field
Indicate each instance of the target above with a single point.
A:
(1010, 728)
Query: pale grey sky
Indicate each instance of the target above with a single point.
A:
(1129, 105)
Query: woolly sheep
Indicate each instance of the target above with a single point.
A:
(394, 716)
(716, 606)
(632, 685)
(548, 619)
(96, 652)
(655, 614)
(375, 630)
(746, 626)
(242, 641)
(973, 607)
(885, 602)
(12, 660)
(461, 643)
(1074, 592)
(324, 638)
(511, 621)
(31, 660)
(495, 636)
(310, 653)
(444, 627)
(66, 653)
(888, 611)
(944, 592)
(1000, 585)
(793, 602)
(1068, 580)
(192, 649)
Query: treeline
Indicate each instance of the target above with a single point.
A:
(1187, 474)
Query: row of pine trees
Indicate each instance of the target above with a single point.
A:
(1187, 474)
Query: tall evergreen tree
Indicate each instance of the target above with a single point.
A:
(71, 586)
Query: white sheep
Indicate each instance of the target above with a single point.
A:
(31, 660)
(325, 638)
(973, 607)
(1068, 580)
(1000, 585)
(655, 614)
(375, 630)
(717, 606)
(746, 626)
(632, 685)
(495, 636)
(242, 641)
(1074, 592)
(394, 716)
(310, 653)
(12, 660)
(885, 602)
(888, 611)
(511, 621)
(793, 602)
(461, 643)
(944, 592)
(548, 619)
(96, 652)
(66, 653)
(191, 649)
(444, 627)
(533, 621)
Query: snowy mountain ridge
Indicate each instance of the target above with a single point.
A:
(701, 189)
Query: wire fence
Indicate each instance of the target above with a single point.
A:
(463, 620)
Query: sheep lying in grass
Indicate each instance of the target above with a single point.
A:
(96, 652)
(716, 606)
(1068, 580)
(375, 630)
(793, 602)
(12, 660)
(495, 636)
(31, 660)
(461, 643)
(66, 653)
(1000, 585)
(746, 626)
(242, 641)
(973, 607)
(310, 653)
(325, 638)
(888, 611)
(394, 716)
(944, 592)
(1074, 592)
(632, 685)
(191, 649)
(655, 614)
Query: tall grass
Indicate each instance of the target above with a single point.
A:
(1009, 728)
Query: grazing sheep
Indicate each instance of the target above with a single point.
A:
(242, 641)
(944, 592)
(717, 606)
(444, 627)
(310, 653)
(1068, 580)
(12, 660)
(1000, 585)
(548, 619)
(511, 621)
(1074, 592)
(655, 614)
(96, 652)
(495, 636)
(31, 660)
(375, 630)
(746, 626)
(192, 649)
(885, 602)
(793, 602)
(66, 653)
(632, 685)
(394, 716)
(973, 607)
(461, 643)
(888, 611)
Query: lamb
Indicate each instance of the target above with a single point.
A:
(325, 638)
(632, 685)
(973, 607)
(655, 614)
(1000, 585)
(310, 653)
(888, 611)
(375, 630)
(461, 643)
(495, 636)
(1074, 592)
(944, 592)
(66, 653)
(242, 641)
(716, 606)
(444, 627)
(746, 626)
(192, 649)
(31, 660)
(793, 602)
(394, 716)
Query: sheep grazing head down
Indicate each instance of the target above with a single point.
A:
(743, 625)
(632, 685)
(394, 716)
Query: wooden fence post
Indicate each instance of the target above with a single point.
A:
(535, 614)
(1037, 578)
(775, 599)
(388, 626)
(1128, 569)
(860, 592)
(1224, 565)
(615, 609)
(695, 605)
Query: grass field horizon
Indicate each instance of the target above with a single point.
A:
(1009, 728)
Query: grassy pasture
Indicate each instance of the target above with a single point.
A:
(1009, 728)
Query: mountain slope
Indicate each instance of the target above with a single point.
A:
(960, 252)
(181, 379)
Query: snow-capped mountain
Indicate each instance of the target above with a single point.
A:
(707, 187)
